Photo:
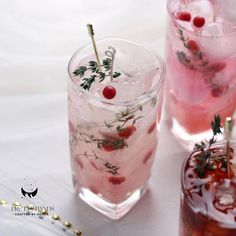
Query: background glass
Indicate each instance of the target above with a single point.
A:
(201, 72)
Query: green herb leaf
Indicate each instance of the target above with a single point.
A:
(95, 72)
(102, 76)
(87, 82)
(204, 159)
(216, 126)
(80, 71)
(183, 57)
(116, 74)
(107, 63)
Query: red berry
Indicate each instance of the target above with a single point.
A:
(199, 21)
(109, 92)
(116, 180)
(112, 145)
(184, 16)
(192, 46)
(108, 147)
(126, 132)
(219, 91)
(218, 173)
(152, 127)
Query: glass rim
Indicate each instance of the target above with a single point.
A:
(207, 35)
(183, 191)
(189, 155)
(137, 99)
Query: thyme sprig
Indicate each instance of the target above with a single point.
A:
(110, 168)
(114, 144)
(205, 158)
(186, 60)
(125, 116)
(95, 72)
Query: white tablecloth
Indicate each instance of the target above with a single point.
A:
(37, 40)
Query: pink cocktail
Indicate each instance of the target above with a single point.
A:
(113, 135)
(208, 202)
(201, 71)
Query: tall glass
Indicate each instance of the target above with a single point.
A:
(113, 142)
(208, 204)
(201, 71)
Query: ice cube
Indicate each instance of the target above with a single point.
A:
(225, 10)
(133, 62)
(201, 8)
(214, 29)
(225, 195)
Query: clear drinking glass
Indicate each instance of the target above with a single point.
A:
(201, 71)
(113, 142)
(208, 204)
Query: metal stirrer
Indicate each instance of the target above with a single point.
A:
(228, 133)
(91, 34)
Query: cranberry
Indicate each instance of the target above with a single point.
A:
(152, 127)
(113, 145)
(109, 92)
(116, 180)
(108, 147)
(126, 132)
(192, 46)
(184, 16)
(199, 21)
(219, 91)
(219, 173)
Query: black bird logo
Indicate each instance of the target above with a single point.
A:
(30, 194)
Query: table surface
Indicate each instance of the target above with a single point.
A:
(37, 40)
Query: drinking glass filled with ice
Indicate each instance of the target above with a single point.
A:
(208, 195)
(201, 71)
(115, 101)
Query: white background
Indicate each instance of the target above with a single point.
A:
(37, 39)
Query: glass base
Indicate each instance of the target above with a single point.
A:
(188, 140)
(113, 211)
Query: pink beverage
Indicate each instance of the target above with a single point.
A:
(201, 71)
(113, 135)
(208, 203)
